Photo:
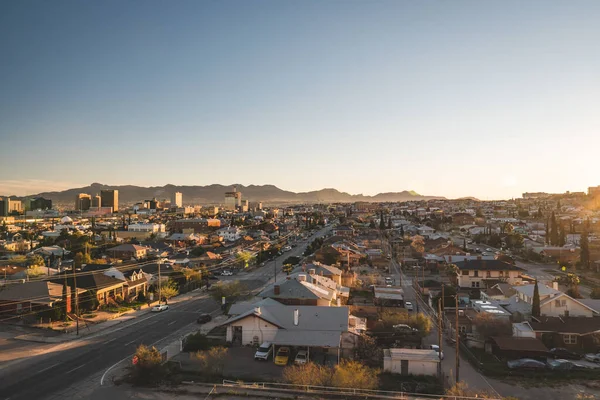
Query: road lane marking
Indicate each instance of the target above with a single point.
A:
(76, 368)
(171, 323)
(46, 369)
(133, 341)
(111, 340)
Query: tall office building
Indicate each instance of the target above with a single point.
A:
(9, 206)
(110, 198)
(96, 201)
(38, 203)
(177, 200)
(83, 202)
(233, 200)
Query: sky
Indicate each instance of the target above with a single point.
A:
(451, 98)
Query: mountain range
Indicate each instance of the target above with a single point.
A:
(214, 194)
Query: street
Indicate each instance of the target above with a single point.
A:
(41, 375)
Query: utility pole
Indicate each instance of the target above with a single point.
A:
(440, 338)
(457, 343)
(76, 300)
(159, 298)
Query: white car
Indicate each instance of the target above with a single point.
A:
(408, 305)
(437, 350)
(488, 249)
(160, 307)
(264, 352)
(593, 357)
(301, 357)
(226, 273)
(286, 248)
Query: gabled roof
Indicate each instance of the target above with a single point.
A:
(548, 300)
(295, 289)
(577, 325)
(128, 247)
(38, 292)
(487, 265)
(326, 269)
(544, 290)
(93, 281)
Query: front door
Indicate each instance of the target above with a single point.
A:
(403, 367)
(237, 336)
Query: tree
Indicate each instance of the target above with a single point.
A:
(381, 221)
(197, 252)
(418, 243)
(372, 224)
(584, 245)
(80, 259)
(169, 289)
(353, 374)
(535, 308)
(308, 374)
(229, 290)
(465, 245)
(367, 350)
(514, 241)
(148, 368)
(35, 260)
(244, 258)
(389, 225)
(402, 231)
(553, 230)
(487, 326)
(479, 213)
(287, 268)
(562, 235)
(212, 361)
(292, 260)
(572, 281)
(191, 275)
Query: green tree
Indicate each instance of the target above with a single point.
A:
(572, 281)
(308, 374)
(487, 326)
(230, 290)
(169, 289)
(36, 260)
(372, 224)
(353, 374)
(381, 221)
(389, 225)
(535, 307)
(148, 368)
(562, 235)
(80, 259)
(212, 361)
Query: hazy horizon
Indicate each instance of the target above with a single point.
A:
(463, 98)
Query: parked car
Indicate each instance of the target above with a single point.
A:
(488, 249)
(160, 307)
(283, 356)
(437, 350)
(301, 357)
(561, 364)
(526, 363)
(561, 352)
(226, 272)
(286, 248)
(404, 328)
(593, 357)
(264, 351)
(408, 305)
(204, 318)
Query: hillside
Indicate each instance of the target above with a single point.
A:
(214, 194)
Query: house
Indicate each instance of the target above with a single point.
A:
(425, 231)
(328, 271)
(33, 296)
(475, 273)
(230, 234)
(297, 290)
(128, 251)
(105, 287)
(317, 329)
(343, 230)
(499, 291)
(510, 347)
(411, 361)
(135, 280)
(388, 296)
(579, 334)
(554, 303)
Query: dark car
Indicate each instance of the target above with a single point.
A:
(560, 352)
(204, 318)
(526, 363)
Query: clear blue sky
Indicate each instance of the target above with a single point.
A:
(453, 98)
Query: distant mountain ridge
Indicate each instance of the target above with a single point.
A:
(215, 193)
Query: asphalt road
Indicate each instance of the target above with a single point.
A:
(42, 375)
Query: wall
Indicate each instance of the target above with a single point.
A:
(414, 367)
(575, 309)
(253, 326)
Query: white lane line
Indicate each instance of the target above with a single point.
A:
(128, 343)
(171, 323)
(76, 368)
(46, 369)
(111, 340)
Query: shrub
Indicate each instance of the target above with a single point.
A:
(212, 361)
(196, 342)
(148, 369)
(308, 374)
(352, 374)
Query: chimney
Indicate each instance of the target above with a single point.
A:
(257, 310)
(555, 285)
(296, 317)
(276, 289)
(311, 271)
(302, 278)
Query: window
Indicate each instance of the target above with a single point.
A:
(466, 273)
(475, 273)
(501, 274)
(462, 329)
(474, 284)
(488, 274)
(560, 303)
(570, 339)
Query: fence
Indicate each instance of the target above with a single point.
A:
(385, 394)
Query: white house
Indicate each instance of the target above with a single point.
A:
(141, 227)
(411, 361)
(473, 273)
(230, 234)
(554, 303)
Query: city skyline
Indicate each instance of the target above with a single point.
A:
(449, 99)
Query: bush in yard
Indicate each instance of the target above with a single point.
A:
(352, 374)
(461, 389)
(308, 374)
(148, 369)
(196, 342)
(595, 293)
(212, 361)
